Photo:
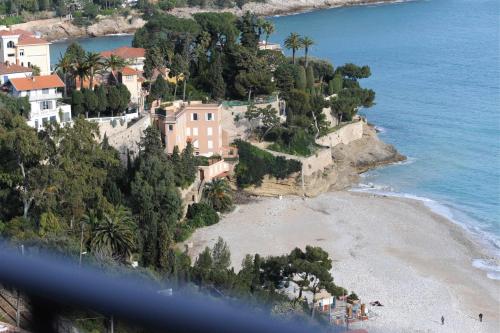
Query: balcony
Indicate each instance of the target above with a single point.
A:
(40, 97)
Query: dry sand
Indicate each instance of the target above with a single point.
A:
(393, 250)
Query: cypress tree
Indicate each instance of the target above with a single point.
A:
(77, 107)
(335, 84)
(102, 99)
(124, 97)
(218, 86)
(90, 101)
(309, 77)
(114, 99)
(188, 163)
(300, 80)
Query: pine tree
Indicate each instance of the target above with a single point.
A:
(159, 88)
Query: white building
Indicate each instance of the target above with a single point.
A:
(10, 71)
(44, 96)
(22, 48)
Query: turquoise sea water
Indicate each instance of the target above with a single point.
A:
(436, 71)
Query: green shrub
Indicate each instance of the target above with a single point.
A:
(255, 163)
(298, 142)
(201, 214)
(10, 20)
(182, 232)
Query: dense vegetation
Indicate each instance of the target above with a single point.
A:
(255, 163)
(216, 54)
(78, 70)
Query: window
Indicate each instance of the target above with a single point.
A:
(209, 131)
(195, 144)
(210, 144)
(29, 64)
(11, 55)
(188, 131)
(45, 105)
(170, 127)
(129, 78)
(36, 124)
(53, 119)
(21, 52)
(210, 116)
(66, 116)
(195, 131)
(11, 44)
(45, 91)
(194, 116)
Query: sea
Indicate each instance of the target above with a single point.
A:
(436, 72)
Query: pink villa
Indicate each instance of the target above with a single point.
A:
(201, 124)
(195, 122)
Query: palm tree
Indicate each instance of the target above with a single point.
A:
(217, 194)
(306, 44)
(94, 62)
(293, 42)
(81, 70)
(114, 63)
(65, 66)
(268, 28)
(114, 235)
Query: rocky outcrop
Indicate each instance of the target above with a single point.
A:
(56, 29)
(349, 160)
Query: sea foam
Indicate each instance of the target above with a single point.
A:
(489, 241)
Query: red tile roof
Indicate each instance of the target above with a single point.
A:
(30, 40)
(13, 68)
(15, 32)
(37, 82)
(126, 52)
(129, 71)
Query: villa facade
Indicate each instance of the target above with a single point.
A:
(193, 122)
(22, 48)
(43, 94)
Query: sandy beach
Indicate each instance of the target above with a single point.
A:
(394, 250)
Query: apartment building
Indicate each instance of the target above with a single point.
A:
(43, 94)
(193, 122)
(23, 48)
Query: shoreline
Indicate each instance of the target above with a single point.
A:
(56, 30)
(482, 239)
(395, 250)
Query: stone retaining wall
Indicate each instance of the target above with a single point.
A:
(346, 134)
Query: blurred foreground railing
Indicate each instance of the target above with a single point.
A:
(53, 285)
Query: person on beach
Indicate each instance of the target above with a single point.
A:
(442, 320)
(481, 317)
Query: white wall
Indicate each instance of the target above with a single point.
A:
(13, 76)
(346, 134)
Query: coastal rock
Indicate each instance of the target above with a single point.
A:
(57, 28)
(349, 160)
